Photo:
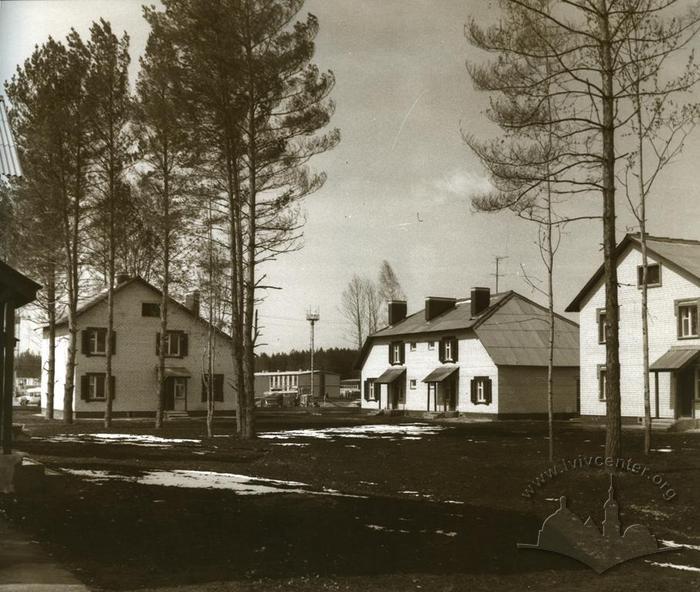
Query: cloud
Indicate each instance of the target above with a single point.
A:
(462, 184)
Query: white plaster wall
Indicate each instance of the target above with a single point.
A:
(662, 335)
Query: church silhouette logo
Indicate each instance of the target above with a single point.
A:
(565, 533)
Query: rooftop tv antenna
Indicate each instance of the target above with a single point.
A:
(312, 315)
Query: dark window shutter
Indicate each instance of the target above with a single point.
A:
(487, 390)
(473, 390)
(184, 345)
(403, 352)
(114, 342)
(84, 386)
(218, 387)
(455, 350)
(85, 342)
(391, 353)
(441, 350)
(112, 386)
(366, 393)
(158, 343)
(100, 386)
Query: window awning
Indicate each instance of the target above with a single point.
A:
(390, 375)
(177, 371)
(441, 373)
(675, 359)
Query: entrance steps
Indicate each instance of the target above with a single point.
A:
(170, 415)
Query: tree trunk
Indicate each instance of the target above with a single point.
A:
(251, 237)
(109, 395)
(645, 270)
(165, 291)
(550, 308)
(613, 443)
(51, 363)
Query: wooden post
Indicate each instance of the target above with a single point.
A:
(3, 340)
(8, 376)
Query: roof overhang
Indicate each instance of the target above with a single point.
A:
(441, 373)
(390, 375)
(675, 358)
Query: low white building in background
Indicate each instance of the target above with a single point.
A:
(674, 334)
(484, 355)
(137, 334)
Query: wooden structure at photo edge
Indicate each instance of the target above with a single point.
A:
(16, 290)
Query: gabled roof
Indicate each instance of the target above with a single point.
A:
(682, 254)
(9, 161)
(102, 297)
(513, 329)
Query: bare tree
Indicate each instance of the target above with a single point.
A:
(353, 308)
(660, 127)
(584, 76)
(107, 86)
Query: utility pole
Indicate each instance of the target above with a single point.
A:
(312, 315)
(498, 259)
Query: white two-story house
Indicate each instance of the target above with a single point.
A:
(136, 343)
(674, 338)
(486, 355)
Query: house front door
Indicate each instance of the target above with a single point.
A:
(396, 394)
(685, 392)
(175, 393)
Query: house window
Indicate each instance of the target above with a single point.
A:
(431, 345)
(96, 387)
(481, 390)
(412, 346)
(175, 344)
(370, 392)
(602, 326)
(602, 383)
(688, 320)
(448, 349)
(97, 341)
(397, 352)
(412, 384)
(653, 275)
(150, 309)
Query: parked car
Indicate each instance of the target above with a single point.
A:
(28, 397)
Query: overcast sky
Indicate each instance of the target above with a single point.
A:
(399, 183)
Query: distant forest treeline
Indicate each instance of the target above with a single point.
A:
(335, 359)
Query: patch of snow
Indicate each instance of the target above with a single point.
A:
(413, 431)
(662, 449)
(551, 499)
(448, 533)
(453, 502)
(679, 566)
(368, 483)
(240, 484)
(387, 529)
(676, 545)
(410, 492)
(137, 439)
(297, 444)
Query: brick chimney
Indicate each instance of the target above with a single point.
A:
(435, 306)
(397, 311)
(192, 302)
(480, 300)
(122, 277)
